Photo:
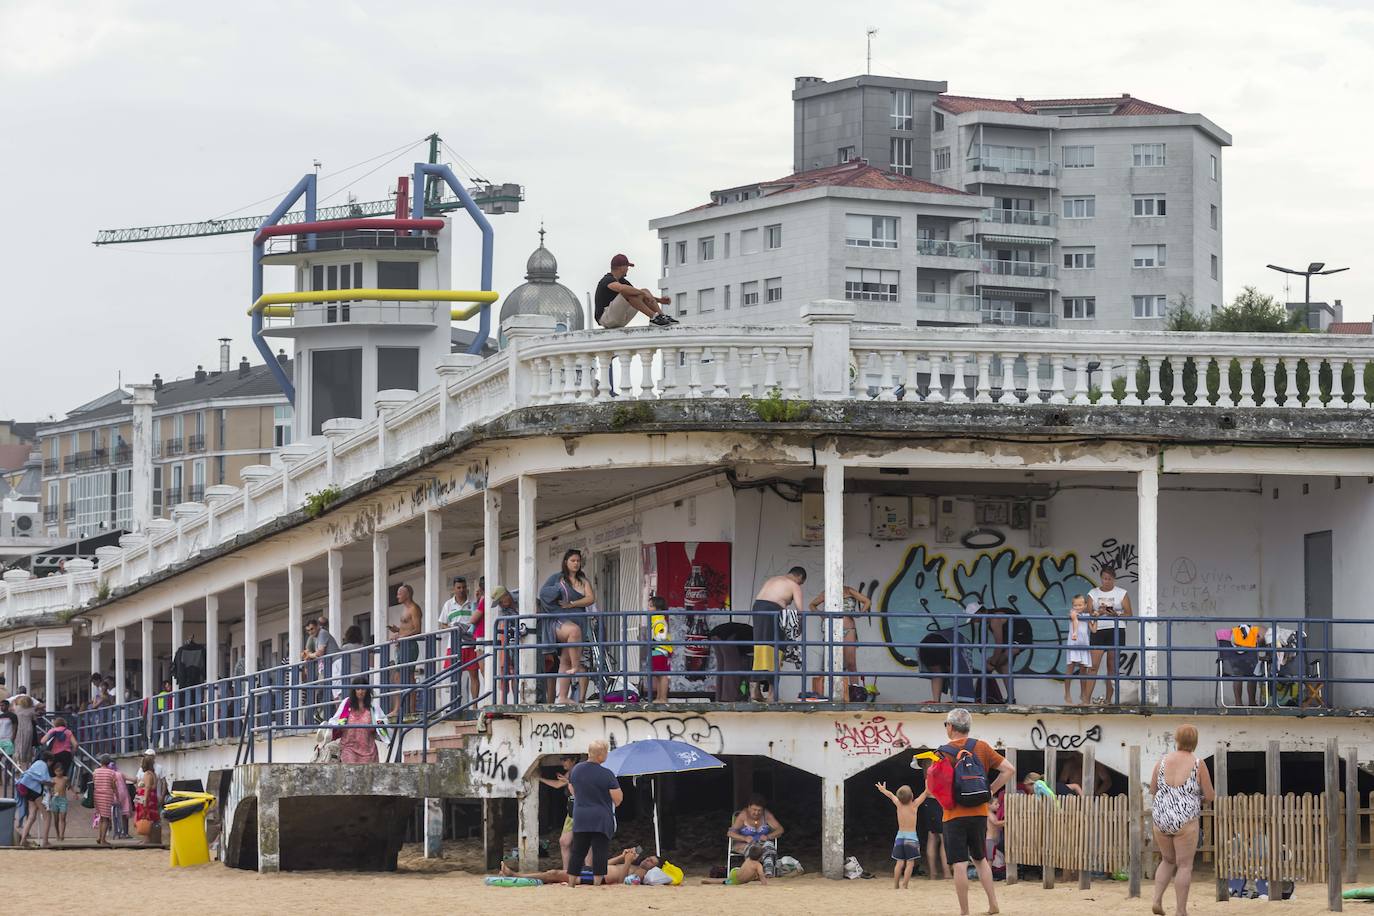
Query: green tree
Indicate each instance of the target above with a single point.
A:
(1255, 312)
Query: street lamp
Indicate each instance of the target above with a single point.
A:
(1313, 269)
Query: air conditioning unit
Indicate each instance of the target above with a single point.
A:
(19, 524)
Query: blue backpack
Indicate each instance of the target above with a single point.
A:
(969, 779)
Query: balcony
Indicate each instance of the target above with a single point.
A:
(943, 248)
(1013, 318)
(123, 454)
(948, 308)
(1007, 217)
(49, 515)
(195, 443)
(51, 466)
(69, 462)
(173, 447)
(195, 493)
(170, 497)
(69, 512)
(353, 240)
(1012, 166)
(94, 458)
(1034, 269)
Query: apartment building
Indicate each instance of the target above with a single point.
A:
(1094, 212)
(206, 429)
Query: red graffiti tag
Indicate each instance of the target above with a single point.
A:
(871, 737)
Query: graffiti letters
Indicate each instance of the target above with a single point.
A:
(1042, 737)
(871, 737)
(1118, 555)
(495, 763)
(559, 731)
(695, 730)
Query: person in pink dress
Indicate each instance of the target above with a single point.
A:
(358, 745)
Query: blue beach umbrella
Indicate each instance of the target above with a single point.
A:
(656, 755)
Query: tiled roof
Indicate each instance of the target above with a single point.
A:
(854, 174)
(1121, 105)
(257, 383)
(1351, 327)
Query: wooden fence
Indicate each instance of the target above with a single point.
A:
(1083, 834)
(1271, 837)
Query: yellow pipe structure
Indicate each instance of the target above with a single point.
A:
(478, 298)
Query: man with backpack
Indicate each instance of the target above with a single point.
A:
(959, 780)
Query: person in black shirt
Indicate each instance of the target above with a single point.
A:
(617, 300)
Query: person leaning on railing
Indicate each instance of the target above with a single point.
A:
(505, 630)
(564, 598)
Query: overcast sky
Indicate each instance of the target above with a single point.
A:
(120, 114)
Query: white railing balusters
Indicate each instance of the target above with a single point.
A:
(935, 391)
(1358, 396)
(1033, 379)
(984, 390)
(1008, 379)
(958, 391)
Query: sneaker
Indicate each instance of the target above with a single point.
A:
(662, 320)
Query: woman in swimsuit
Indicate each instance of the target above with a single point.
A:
(1181, 784)
(855, 601)
(755, 826)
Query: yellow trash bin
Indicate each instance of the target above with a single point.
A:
(186, 815)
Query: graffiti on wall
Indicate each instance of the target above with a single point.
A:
(1042, 738)
(691, 729)
(1120, 556)
(495, 761)
(871, 737)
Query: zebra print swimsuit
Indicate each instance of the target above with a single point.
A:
(1175, 806)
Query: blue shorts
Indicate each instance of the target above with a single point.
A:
(907, 846)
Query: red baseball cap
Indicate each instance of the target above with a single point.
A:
(621, 261)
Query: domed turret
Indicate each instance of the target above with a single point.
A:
(542, 294)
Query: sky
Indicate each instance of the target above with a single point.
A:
(117, 114)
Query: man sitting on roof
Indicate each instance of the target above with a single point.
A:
(617, 299)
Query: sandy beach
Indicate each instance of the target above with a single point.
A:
(212, 890)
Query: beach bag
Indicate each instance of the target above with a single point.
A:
(788, 867)
(143, 826)
(968, 780)
(657, 876)
(88, 797)
(852, 869)
(675, 874)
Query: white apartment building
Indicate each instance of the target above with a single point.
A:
(1096, 213)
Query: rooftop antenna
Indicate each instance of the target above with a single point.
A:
(872, 33)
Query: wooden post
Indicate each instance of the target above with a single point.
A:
(1333, 841)
(1219, 783)
(1048, 861)
(1089, 839)
(1352, 816)
(1009, 792)
(1273, 793)
(1135, 814)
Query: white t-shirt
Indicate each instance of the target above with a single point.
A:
(1113, 599)
(459, 615)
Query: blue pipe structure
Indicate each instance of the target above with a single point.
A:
(417, 211)
(305, 186)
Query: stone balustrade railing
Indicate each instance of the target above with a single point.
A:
(827, 357)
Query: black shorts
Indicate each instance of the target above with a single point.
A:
(929, 817)
(598, 844)
(1106, 639)
(935, 653)
(966, 839)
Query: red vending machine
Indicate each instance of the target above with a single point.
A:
(693, 576)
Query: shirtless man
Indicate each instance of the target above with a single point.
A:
(855, 602)
(618, 868)
(777, 593)
(407, 653)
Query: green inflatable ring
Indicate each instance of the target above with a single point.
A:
(505, 881)
(1358, 893)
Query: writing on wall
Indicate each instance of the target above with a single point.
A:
(496, 762)
(1120, 556)
(1042, 738)
(1201, 591)
(694, 730)
(557, 731)
(871, 737)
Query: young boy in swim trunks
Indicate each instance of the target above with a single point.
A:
(57, 802)
(906, 849)
(750, 870)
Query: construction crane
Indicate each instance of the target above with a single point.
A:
(494, 199)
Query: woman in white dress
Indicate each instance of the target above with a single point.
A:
(1080, 658)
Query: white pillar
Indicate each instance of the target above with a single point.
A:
(527, 827)
(178, 633)
(529, 585)
(50, 679)
(120, 668)
(95, 656)
(1147, 569)
(250, 626)
(146, 661)
(26, 670)
(211, 639)
(434, 585)
(141, 469)
(335, 599)
(11, 672)
(295, 577)
(832, 826)
(834, 560)
(380, 592)
(491, 569)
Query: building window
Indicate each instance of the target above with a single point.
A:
(1214, 216)
(682, 252)
(664, 259)
(1079, 307)
(681, 303)
(124, 498)
(726, 239)
(725, 302)
(197, 493)
(283, 419)
(1080, 258)
(773, 289)
(749, 293)
(174, 494)
(706, 249)
(1216, 267)
(899, 155)
(1147, 205)
(1080, 207)
(772, 236)
(749, 241)
(1147, 155)
(219, 469)
(1149, 306)
(1212, 166)
(901, 109)
(706, 300)
(845, 154)
(870, 231)
(940, 159)
(871, 285)
(157, 491)
(1147, 256)
(398, 368)
(1079, 157)
(94, 503)
(396, 274)
(336, 386)
(222, 429)
(939, 122)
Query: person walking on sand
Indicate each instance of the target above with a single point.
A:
(106, 795)
(966, 826)
(29, 790)
(1180, 784)
(597, 794)
(57, 804)
(906, 849)
(777, 593)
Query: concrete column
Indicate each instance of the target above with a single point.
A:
(50, 679)
(529, 587)
(120, 666)
(1147, 569)
(832, 826)
(250, 626)
(12, 672)
(295, 635)
(434, 584)
(269, 833)
(491, 569)
(178, 633)
(26, 669)
(212, 672)
(380, 594)
(830, 320)
(142, 467)
(146, 660)
(335, 612)
(528, 827)
(834, 561)
(434, 828)
(95, 655)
